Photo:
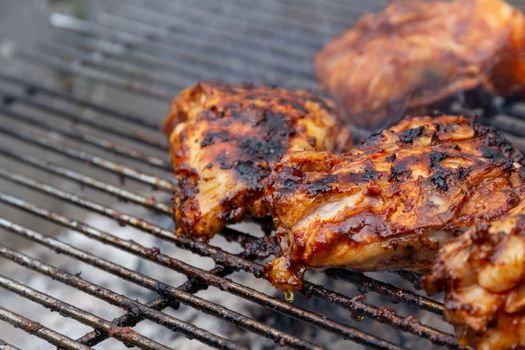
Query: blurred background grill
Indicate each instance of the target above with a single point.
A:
(88, 254)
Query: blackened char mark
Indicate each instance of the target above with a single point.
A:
(370, 173)
(462, 173)
(295, 105)
(497, 146)
(522, 172)
(259, 150)
(224, 162)
(399, 171)
(409, 135)
(508, 165)
(436, 158)
(365, 224)
(271, 141)
(397, 174)
(252, 173)
(373, 139)
(391, 158)
(322, 185)
(210, 137)
(501, 142)
(291, 183)
(490, 153)
(366, 176)
(439, 179)
(276, 126)
(481, 129)
(329, 182)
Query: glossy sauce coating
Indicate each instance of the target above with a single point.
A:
(483, 275)
(413, 54)
(392, 201)
(224, 140)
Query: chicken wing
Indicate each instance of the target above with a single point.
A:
(389, 203)
(483, 275)
(224, 140)
(416, 53)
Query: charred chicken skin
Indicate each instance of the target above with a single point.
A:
(416, 53)
(390, 202)
(224, 140)
(483, 275)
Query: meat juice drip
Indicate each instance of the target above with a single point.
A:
(288, 296)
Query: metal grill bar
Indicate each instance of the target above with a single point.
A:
(153, 15)
(33, 87)
(357, 131)
(160, 49)
(150, 202)
(78, 154)
(397, 294)
(194, 43)
(142, 60)
(137, 13)
(333, 16)
(130, 319)
(303, 15)
(159, 303)
(6, 346)
(35, 328)
(201, 15)
(96, 61)
(90, 139)
(249, 12)
(409, 324)
(278, 18)
(513, 126)
(126, 335)
(162, 288)
(111, 80)
(204, 62)
(105, 294)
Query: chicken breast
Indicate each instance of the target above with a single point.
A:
(416, 53)
(391, 202)
(224, 140)
(483, 275)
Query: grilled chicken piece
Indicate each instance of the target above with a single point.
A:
(483, 275)
(389, 203)
(225, 139)
(416, 53)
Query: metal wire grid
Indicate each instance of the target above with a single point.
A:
(132, 50)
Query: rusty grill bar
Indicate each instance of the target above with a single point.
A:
(151, 49)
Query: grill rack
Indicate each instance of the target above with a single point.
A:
(137, 46)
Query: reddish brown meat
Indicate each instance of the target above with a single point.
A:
(416, 53)
(483, 275)
(389, 203)
(225, 139)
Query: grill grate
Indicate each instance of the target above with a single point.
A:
(144, 52)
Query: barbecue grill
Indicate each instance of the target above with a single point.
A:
(85, 188)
